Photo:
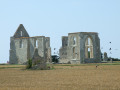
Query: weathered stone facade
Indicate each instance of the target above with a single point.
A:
(22, 47)
(80, 47)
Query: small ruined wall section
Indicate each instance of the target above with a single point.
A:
(48, 50)
(63, 52)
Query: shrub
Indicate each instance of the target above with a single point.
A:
(29, 64)
(50, 67)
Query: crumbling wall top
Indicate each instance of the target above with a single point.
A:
(83, 33)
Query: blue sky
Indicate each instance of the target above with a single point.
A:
(56, 18)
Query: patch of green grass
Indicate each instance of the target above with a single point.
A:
(111, 64)
(90, 64)
(9, 67)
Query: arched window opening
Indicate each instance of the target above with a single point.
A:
(89, 48)
(21, 33)
(74, 40)
(89, 53)
(89, 41)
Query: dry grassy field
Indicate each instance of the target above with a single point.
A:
(63, 77)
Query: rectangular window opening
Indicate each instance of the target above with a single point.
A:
(21, 33)
(36, 43)
(21, 44)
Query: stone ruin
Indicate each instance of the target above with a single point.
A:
(23, 47)
(77, 48)
(80, 47)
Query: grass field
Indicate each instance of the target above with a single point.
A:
(63, 77)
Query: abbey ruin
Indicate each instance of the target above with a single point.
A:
(77, 48)
(23, 47)
(80, 47)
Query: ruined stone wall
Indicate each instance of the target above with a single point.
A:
(73, 48)
(77, 49)
(19, 50)
(37, 42)
(22, 47)
(63, 52)
(12, 52)
(96, 48)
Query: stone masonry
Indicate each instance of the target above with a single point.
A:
(22, 47)
(80, 47)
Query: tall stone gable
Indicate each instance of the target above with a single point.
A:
(21, 32)
(22, 47)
